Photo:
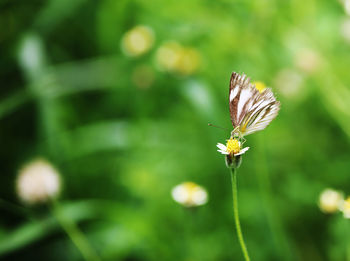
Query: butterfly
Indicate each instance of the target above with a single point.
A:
(251, 110)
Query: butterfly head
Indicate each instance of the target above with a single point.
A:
(237, 134)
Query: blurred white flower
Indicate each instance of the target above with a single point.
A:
(345, 30)
(137, 41)
(190, 194)
(307, 60)
(37, 182)
(331, 200)
(346, 4)
(288, 82)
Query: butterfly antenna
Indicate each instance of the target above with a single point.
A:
(212, 125)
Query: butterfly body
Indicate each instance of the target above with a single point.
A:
(251, 110)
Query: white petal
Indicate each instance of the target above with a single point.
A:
(223, 152)
(221, 146)
(245, 149)
(242, 151)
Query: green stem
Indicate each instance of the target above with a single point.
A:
(348, 240)
(74, 234)
(236, 214)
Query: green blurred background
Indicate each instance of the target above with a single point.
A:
(124, 127)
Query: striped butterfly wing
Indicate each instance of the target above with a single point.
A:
(249, 109)
(265, 108)
(242, 96)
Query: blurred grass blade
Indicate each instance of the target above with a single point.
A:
(97, 137)
(36, 230)
(96, 73)
(13, 102)
(31, 56)
(55, 12)
(200, 97)
(26, 234)
(336, 99)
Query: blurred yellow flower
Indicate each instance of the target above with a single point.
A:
(260, 86)
(37, 182)
(345, 208)
(168, 56)
(330, 200)
(190, 194)
(137, 41)
(173, 57)
(189, 61)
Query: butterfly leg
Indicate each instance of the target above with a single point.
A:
(235, 133)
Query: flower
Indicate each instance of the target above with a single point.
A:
(233, 151)
(189, 61)
(233, 147)
(289, 83)
(171, 56)
(345, 208)
(37, 182)
(168, 56)
(137, 41)
(346, 6)
(345, 29)
(307, 60)
(189, 194)
(331, 201)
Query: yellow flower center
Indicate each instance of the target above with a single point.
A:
(190, 186)
(233, 146)
(260, 86)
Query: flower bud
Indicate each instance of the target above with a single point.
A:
(232, 161)
(190, 194)
(330, 200)
(37, 182)
(137, 41)
(345, 208)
